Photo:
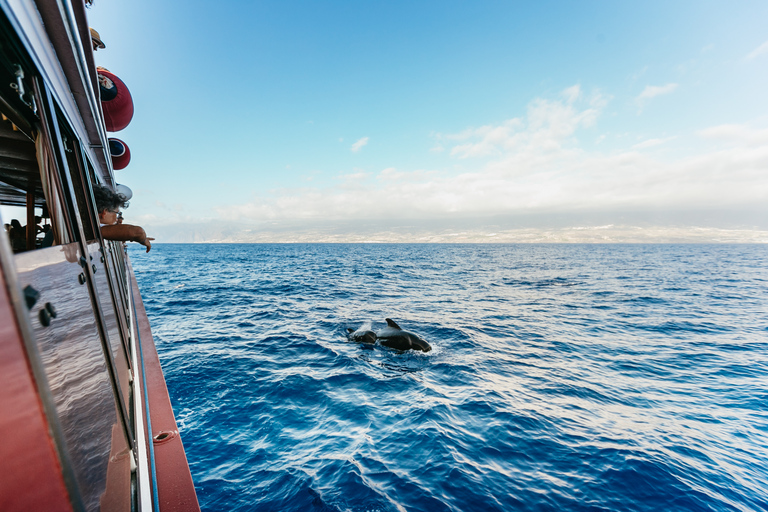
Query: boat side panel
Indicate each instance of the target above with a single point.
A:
(174, 482)
(26, 447)
(75, 365)
(119, 354)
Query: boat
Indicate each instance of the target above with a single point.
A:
(86, 421)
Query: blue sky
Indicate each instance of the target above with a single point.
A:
(422, 121)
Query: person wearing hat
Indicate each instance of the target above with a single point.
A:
(96, 40)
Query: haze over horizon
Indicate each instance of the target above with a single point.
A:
(443, 121)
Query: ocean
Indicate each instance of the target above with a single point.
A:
(562, 377)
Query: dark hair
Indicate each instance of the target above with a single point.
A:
(107, 199)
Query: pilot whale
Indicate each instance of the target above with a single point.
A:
(394, 337)
(361, 336)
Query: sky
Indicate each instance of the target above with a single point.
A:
(443, 121)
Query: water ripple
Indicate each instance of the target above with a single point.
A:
(561, 378)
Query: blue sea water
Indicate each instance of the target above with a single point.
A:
(562, 377)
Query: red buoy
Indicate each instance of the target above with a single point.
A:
(121, 154)
(116, 101)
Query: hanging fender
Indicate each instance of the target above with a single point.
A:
(121, 154)
(116, 101)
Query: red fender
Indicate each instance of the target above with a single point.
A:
(121, 154)
(116, 101)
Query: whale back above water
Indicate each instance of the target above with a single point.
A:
(393, 336)
(361, 336)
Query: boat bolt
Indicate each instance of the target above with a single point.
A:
(30, 296)
(45, 317)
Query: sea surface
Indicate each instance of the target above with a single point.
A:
(562, 377)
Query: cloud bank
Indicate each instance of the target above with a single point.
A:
(527, 167)
(536, 164)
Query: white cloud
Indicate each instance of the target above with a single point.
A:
(535, 164)
(548, 125)
(651, 91)
(760, 50)
(355, 176)
(572, 93)
(649, 143)
(437, 148)
(736, 133)
(359, 144)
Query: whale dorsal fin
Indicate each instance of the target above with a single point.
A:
(392, 324)
(349, 329)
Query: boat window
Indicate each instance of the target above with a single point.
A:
(26, 219)
(33, 197)
(31, 193)
(80, 183)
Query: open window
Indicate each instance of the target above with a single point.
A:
(32, 202)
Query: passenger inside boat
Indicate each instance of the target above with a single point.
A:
(17, 235)
(29, 177)
(21, 192)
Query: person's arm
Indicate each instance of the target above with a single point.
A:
(126, 233)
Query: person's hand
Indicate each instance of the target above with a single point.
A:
(146, 243)
(126, 233)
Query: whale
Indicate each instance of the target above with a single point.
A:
(361, 336)
(393, 336)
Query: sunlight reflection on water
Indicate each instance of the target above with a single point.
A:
(561, 377)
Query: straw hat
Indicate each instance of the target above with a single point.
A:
(97, 39)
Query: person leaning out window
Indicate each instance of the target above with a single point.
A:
(108, 204)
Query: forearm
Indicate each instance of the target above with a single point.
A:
(124, 233)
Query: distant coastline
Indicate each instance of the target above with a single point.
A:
(564, 235)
